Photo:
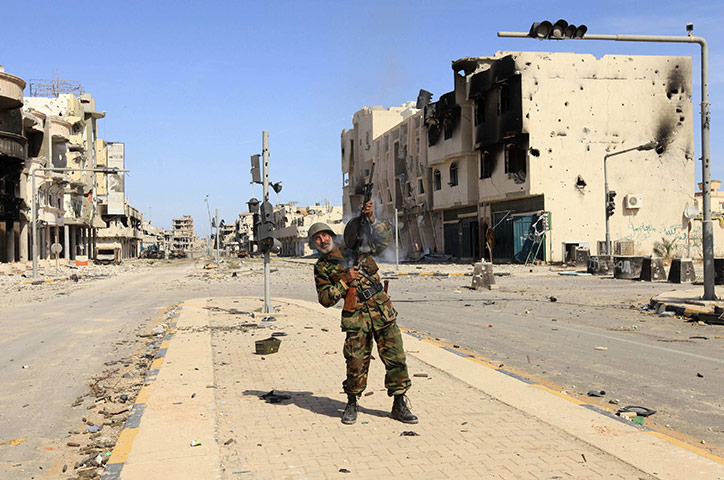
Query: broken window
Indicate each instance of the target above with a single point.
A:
(515, 164)
(453, 174)
(480, 111)
(437, 180)
(486, 165)
(447, 128)
(503, 99)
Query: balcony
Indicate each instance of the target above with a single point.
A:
(11, 91)
(60, 130)
(12, 145)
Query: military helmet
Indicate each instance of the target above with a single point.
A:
(319, 227)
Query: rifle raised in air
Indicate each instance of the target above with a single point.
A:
(357, 237)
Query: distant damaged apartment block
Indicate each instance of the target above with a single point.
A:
(183, 234)
(511, 160)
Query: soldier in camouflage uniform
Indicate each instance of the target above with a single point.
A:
(363, 319)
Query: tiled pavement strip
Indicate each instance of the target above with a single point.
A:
(475, 422)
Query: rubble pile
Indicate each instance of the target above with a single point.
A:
(109, 402)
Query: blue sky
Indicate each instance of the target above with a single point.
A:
(189, 86)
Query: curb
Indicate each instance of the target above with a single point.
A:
(430, 274)
(119, 455)
(695, 313)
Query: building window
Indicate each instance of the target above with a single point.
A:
(420, 186)
(345, 179)
(486, 165)
(503, 99)
(447, 130)
(515, 163)
(453, 174)
(480, 111)
(437, 180)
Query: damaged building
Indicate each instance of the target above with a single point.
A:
(513, 157)
(56, 128)
(292, 224)
(183, 234)
(13, 224)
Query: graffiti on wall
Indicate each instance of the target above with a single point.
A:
(674, 233)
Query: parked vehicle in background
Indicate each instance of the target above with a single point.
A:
(108, 255)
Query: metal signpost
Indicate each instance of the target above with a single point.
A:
(562, 30)
(267, 254)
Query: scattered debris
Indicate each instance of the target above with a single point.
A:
(640, 411)
(552, 299)
(596, 393)
(409, 433)
(638, 419)
(367, 394)
(584, 458)
(17, 441)
(344, 470)
(279, 334)
(613, 401)
(421, 375)
(273, 397)
(267, 346)
(601, 348)
(700, 375)
(229, 441)
(196, 442)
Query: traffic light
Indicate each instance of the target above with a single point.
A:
(255, 170)
(556, 31)
(610, 204)
(265, 239)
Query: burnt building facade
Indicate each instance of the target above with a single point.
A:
(514, 154)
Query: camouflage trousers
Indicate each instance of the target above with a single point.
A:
(358, 352)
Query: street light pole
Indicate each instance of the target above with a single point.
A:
(707, 226)
(647, 146)
(34, 207)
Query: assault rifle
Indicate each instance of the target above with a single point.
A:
(357, 238)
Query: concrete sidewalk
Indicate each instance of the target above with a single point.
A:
(476, 421)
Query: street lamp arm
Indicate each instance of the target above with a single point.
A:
(620, 38)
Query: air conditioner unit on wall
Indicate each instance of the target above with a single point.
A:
(633, 201)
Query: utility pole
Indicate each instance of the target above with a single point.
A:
(217, 241)
(267, 254)
(397, 243)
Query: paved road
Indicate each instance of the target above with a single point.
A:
(654, 365)
(65, 340)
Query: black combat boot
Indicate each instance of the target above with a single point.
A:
(350, 411)
(401, 410)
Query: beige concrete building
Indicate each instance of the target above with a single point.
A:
(292, 226)
(123, 233)
(518, 145)
(183, 234)
(63, 128)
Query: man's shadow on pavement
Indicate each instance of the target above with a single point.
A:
(319, 405)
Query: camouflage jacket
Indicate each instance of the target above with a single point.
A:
(330, 268)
